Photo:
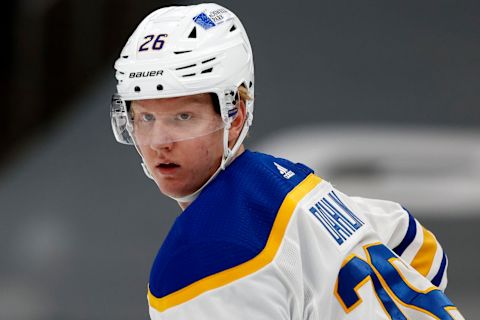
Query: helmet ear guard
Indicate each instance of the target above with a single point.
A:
(228, 108)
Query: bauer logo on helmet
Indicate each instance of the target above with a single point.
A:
(144, 74)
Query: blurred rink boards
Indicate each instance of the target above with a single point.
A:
(432, 171)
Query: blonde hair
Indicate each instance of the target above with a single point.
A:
(244, 94)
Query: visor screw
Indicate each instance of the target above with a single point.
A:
(159, 87)
(137, 89)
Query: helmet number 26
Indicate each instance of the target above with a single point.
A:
(156, 45)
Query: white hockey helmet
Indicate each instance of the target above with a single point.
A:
(180, 51)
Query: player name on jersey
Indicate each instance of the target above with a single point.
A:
(336, 217)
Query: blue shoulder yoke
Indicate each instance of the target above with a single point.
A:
(228, 224)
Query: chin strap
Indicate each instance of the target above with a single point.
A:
(191, 197)
(145, 169)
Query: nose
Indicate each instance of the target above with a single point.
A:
(162, 146)
(161, 138)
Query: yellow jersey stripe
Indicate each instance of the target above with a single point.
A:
(424, 258)
(259, 261)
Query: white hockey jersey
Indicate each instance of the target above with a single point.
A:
(268, 239)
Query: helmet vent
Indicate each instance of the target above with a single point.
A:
(193, 33)
(137, 89)
(207, 70)
(125, 57)
(233, 28)
(186, 67)
(180, 52)
(159, 87)
(208, 60)
(188, 75)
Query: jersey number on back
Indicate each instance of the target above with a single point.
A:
(390, 285)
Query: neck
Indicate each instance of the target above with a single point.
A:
(184, 205)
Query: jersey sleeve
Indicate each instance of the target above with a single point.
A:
(402, 233)
(347, 259)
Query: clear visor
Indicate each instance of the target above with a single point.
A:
(152, 125)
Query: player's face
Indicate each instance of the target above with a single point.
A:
(184, 147)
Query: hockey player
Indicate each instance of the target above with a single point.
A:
(259, 237)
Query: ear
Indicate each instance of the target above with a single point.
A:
(237, 123)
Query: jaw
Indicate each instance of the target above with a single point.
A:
(173, 185)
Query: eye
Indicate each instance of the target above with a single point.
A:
(184, 116)
(147, 117)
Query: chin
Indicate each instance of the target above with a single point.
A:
(177, 189)
(173, 192)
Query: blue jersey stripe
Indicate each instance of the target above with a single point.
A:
(439, 276)
(409, 236)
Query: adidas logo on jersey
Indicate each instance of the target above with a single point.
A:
(287, 174)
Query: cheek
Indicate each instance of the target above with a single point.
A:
(206, 156)
(147, 153)
(209, 155)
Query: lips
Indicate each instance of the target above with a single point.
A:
(167, 167)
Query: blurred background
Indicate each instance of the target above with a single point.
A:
(380, 98)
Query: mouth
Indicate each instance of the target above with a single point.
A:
(167, 167)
